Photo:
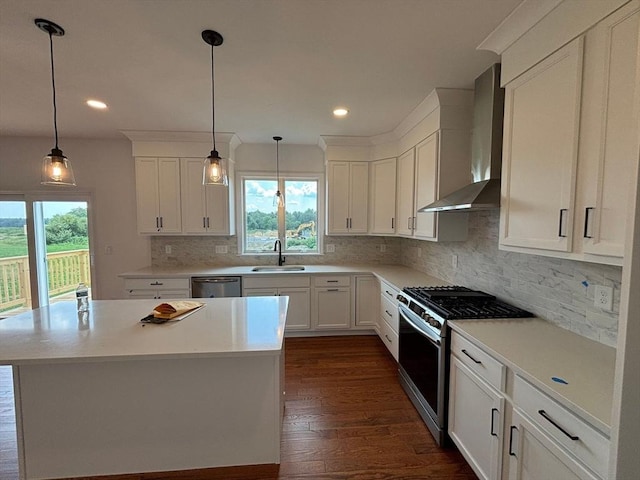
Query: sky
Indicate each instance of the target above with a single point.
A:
(17, 209)
(299, 196)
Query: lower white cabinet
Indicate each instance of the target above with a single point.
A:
(389, 321)
(476, 417)
(533, 455)
(366, 308)
(332, 302)
(156, 287)
(297, 288)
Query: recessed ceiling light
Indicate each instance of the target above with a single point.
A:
(340, 112)
(97, 104)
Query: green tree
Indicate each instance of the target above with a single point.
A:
(70, 227)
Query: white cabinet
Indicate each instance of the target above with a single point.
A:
(389, 320)
(535, 456)
(332, 302)
(542, 112)
(476, 417)
(157, 287)
(206, 210)
(608, 147)
(571, 146)
(366, 305)
(347, 197)
(431, 170)
(295, 287)
(383, 196)
(158, 195)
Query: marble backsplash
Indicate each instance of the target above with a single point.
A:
(560, 291)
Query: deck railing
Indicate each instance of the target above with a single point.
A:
(66, 271)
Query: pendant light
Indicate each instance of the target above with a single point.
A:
(278, 200)
(56, 168)
(214, 170)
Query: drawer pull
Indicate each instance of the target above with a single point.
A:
(387, 312)
(474, 360)
(387, 337)
(511, 452)
(332, 281)
(156, 283)
(333, 290)
(389, 293)
(493, 411)
(550, 420)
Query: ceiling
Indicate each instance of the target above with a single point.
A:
(284, 64)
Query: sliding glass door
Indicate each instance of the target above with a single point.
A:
(44, 250)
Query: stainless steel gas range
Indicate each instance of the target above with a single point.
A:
(424, 343)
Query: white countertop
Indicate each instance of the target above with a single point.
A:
(113, 331)
(538, 350)
(397, 276)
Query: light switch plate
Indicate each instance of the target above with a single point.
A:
(222, 249)
(330, 248)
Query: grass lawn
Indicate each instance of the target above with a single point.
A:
(13, 243)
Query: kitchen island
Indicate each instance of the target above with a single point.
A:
(104, 393)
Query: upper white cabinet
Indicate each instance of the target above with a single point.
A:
(158, 195)
(347, 193)
(435, 167)
(542, 112)
(206, 210)
(383, 196)
(571, 143)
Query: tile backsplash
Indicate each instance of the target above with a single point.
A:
(560, 291)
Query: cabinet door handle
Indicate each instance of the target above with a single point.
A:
(346, 223)
(493, 411)
(161, 222)
(587, 212)
(387, 312)
(157, 222)
(546, 416)
(511, 452)
(561, 218)
(204, 222)
(208, 224)
(414, 222)
(387, 337)
(474, 360)
(333, 289)
(409, 223)
(392, 222)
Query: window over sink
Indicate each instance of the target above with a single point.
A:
(296, 225)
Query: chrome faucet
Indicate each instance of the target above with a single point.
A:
(277, 247)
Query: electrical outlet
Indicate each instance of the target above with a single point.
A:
(108, 250)
(222, 249)
(167, 249)
(604, 297)
(418, 252)
(383, 248)
(330, 248)
(454, 261)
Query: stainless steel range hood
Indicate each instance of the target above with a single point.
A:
(486, 150)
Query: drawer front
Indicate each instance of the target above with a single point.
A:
(286, 280)
(487, 367)
(157, 283)
(389, 338)
(590, 447)
(332, 281)
(389, 312)
(388, 291)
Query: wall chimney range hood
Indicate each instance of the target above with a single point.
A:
(486, 150)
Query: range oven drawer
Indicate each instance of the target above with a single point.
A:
(485, 366)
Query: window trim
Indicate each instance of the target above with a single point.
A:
(241, 177)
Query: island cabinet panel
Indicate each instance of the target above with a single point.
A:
(148, 415)
(158, 195)
(383, 196)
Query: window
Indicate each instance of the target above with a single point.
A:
(296, 225)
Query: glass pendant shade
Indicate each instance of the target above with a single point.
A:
(215, 170)
(278, 200)
(56, 170)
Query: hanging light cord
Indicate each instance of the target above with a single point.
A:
(213, 110)
(278, 163)
(53, 82)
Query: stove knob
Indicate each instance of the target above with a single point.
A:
(402, 299)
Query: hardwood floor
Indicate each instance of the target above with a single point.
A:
(346, 417)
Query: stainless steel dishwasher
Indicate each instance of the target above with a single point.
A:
(216, 287)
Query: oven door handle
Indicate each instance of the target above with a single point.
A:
(408, 317)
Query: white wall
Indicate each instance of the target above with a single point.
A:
(105, 169)
(292, 158)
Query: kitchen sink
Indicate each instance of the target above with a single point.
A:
(288, 268)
